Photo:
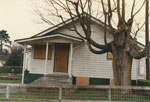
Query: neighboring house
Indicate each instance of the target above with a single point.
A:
(3, 59)
(59, 51)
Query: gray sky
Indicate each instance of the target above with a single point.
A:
(16, 16)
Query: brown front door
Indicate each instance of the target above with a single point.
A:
(61, 57)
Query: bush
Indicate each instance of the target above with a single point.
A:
(143, 82)
(15, 58)
(11, 69)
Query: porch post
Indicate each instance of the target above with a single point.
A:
(46, 57)
(70, 59)
(24, 63)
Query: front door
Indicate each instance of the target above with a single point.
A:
(61, 57)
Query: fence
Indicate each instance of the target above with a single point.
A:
(32, 93)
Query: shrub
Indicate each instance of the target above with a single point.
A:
(11, 69)
(15, 58)
(143, 82)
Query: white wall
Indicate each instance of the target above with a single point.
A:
(84, 63)
(142, 69)
(38, 65)
(87, 64)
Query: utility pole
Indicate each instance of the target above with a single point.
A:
(147, 38)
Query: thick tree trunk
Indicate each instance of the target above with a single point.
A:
(122, 66)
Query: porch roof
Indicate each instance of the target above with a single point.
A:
(25, 40)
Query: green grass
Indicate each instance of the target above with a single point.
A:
(74, 95)
(35, 95)
(10, 81)
(79, 95)
(87, 95)
(133, 98)
(2, 87)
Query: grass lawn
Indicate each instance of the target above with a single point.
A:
(10, 81)
(75, 96)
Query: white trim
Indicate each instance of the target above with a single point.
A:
(46, 58)
(24, 61)
(70, 59)
(49, 37)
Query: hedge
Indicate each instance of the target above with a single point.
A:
(11, 69)
(143, 82)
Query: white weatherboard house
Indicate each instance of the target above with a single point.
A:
(60, 53)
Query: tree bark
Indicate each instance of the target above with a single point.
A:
(122, 66)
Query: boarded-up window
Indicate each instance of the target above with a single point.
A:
(109, 55)
(40, 52)
(111, 82)
(82, 81)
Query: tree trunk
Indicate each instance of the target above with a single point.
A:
(1, 47)
(122, 66)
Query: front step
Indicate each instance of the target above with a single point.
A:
(54, 79)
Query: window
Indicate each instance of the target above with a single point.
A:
(82, 81)
(40, 52)
(109, 55)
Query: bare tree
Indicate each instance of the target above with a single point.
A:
(124, 46)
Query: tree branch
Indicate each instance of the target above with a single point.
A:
(123, 10)
(138, 54)
(132, 10)
(118, 10)
(138, 9)
(95, 51)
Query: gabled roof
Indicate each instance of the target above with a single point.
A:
(48, 32)
(66, 23)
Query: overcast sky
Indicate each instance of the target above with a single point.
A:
(16, 16)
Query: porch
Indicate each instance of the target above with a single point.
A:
(49, 55)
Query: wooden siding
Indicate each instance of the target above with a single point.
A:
(87, 64)
(38, 65)
(84, 63)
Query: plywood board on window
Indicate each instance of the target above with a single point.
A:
(40, 52)
(82, 81)
(109, 55)
(111, 82)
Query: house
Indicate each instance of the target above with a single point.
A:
(3, 59)
(60, 52)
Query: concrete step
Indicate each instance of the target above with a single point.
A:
(54, 79)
